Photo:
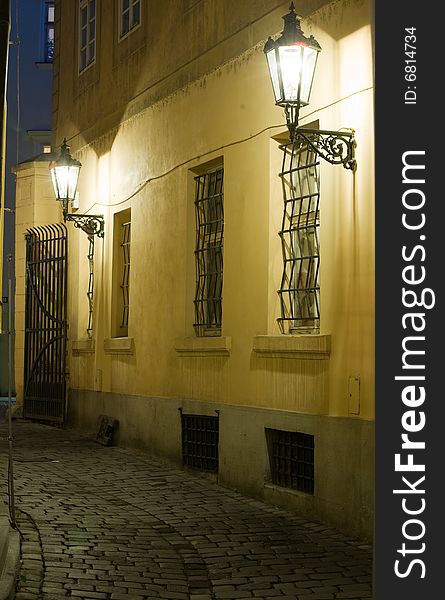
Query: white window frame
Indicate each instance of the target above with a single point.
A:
(123, 10)
(48, 51)
(90, 38)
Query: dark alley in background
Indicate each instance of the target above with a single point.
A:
(26, 126)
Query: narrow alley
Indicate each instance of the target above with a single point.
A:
(113, 523)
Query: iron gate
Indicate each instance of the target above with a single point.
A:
(45, 324)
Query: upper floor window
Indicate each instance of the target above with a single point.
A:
(87, 23)
(130, 15)
(49, 32)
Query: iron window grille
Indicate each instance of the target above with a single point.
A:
(87, 33)
(291, 458)
(200, 439)
(300, 286)
(125, 284)
(90, 292)
(130, 15)
(209, 212)
(49, 32)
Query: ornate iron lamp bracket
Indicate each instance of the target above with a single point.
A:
(337, 147)
(90, 224)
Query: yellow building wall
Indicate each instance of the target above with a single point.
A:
(146, 162)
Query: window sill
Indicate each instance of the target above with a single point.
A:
(303, 347)
(44, 66)
(204, 346)
(119, 345)
(85, 346)
(125, 36)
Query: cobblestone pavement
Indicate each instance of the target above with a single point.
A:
(114, 524)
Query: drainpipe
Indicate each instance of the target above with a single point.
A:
(5, 27)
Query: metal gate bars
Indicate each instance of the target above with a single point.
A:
(45, 324)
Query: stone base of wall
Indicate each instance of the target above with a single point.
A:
(344, 450)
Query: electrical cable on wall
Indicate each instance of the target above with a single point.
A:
(142, 185)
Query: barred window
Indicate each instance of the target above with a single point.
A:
(209, 212)
(87, 33)
(125, 284)
(300, 286)
(130, 15)
(121, 273)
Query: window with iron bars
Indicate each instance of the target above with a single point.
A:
(300, 285)
(121, 273)
(291, 459)
(90, 292)
(125, 285)
(209, 213)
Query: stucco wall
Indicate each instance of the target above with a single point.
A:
(147, 163)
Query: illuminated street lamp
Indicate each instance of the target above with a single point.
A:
(292, 59)
(65, 175)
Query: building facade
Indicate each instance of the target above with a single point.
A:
(176, 328)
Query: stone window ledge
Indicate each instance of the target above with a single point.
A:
(119, 345)
(44, 65)
(85, 346)
(303, 347)
(204, 346)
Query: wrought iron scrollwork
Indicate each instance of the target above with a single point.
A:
(337, 147)
(90, 224)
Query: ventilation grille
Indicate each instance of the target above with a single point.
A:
(200, 436)
(291, 456)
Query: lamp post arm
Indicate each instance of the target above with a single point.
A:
(90, 224)
(292, 112)
(337, 147)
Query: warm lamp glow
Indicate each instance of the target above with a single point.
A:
(292, 59)
(65, 175)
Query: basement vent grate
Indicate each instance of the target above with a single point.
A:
(291, 457)
(200, 437)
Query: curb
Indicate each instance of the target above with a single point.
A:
(11, 563)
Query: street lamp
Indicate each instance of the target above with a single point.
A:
(65, 175)
(292, 59)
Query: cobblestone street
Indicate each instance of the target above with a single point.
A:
(114, 524)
